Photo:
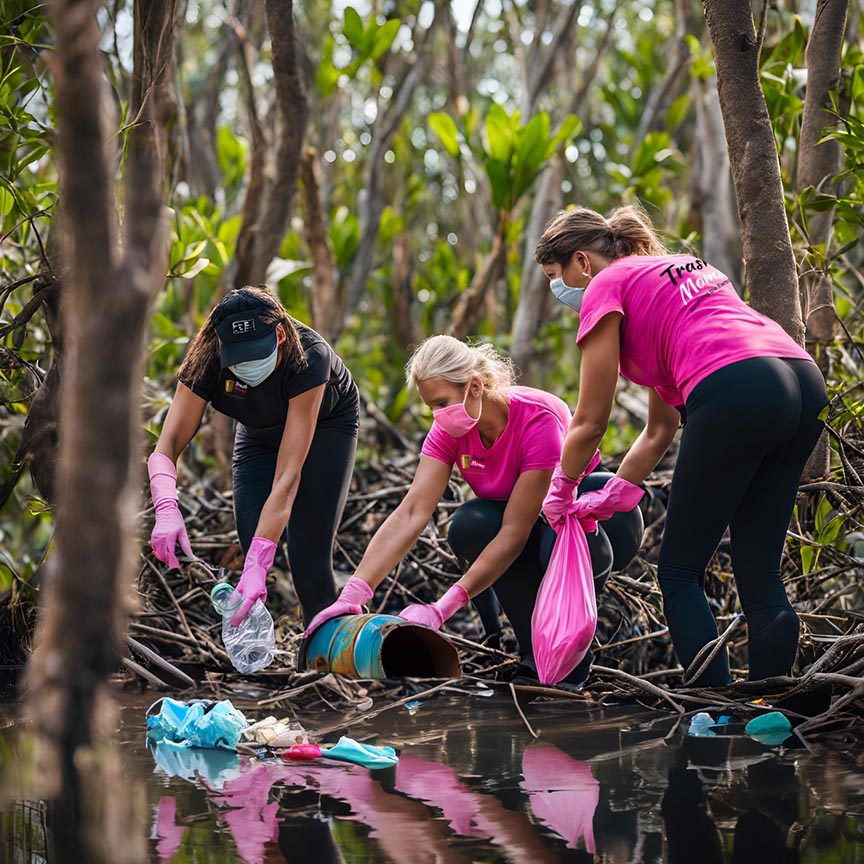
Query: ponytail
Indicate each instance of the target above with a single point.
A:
(628, 231)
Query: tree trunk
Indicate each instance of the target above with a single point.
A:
(713, 197)
(770, 274)
(328, 293)
(471, 300)
(401, 319)
(104, 314)
(816, 163)
(292, 111)
(534, 294)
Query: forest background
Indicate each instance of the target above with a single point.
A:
(386, 167)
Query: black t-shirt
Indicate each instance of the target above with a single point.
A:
(265, 407)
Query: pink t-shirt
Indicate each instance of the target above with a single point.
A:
(531, 441)
(682, 321)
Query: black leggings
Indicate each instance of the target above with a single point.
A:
(475, 524)
(750, 429)
(317, 509)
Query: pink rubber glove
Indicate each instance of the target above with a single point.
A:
(562, 491)
(169, 529)
(351, 600)
(435, 614)
(617, 496)
(253, 581)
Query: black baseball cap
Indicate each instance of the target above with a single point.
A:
(245, 336)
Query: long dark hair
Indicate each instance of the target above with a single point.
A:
(204, 347)
(627, 231)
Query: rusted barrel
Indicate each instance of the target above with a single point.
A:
(379, 646)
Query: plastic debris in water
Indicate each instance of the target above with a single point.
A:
(368, 755)
(700, 726)
(196, 724)
(413, 706)
(771, 729)
(302, 752)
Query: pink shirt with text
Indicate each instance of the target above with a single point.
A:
(682, 320)
(531, 441)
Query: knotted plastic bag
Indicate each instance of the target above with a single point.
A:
(565, 613)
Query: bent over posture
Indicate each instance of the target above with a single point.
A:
(297, 412)
(751, 398)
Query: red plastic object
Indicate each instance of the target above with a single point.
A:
(302, 752)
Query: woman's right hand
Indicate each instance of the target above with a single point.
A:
(353, 597)
(169, 529)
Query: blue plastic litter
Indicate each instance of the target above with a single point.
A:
(196, 724)
(772, 728)
(700, 726)
(367, 755)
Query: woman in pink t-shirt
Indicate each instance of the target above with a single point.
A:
(751, 398)
(505, 440)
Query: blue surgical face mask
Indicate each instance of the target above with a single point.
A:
(571, 297)
(253, 372)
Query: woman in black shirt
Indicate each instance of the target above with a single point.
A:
(297, 412)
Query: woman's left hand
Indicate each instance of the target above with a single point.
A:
(435, 614)
(253, 582)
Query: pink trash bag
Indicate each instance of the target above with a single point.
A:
(565, 613)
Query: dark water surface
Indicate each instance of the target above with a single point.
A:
(473, 786)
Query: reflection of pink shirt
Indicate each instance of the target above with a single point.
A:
(682, 321)
(531, 441)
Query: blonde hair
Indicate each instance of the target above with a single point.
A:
(456, 361)
(627, 231)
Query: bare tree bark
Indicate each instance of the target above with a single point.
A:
(104, 313)
(816, 164)
(712, 199)
(328, 293)
(292, 111)
(371, 203)
(472, 298)
(770, 274)
(534, 304)
(401, 320)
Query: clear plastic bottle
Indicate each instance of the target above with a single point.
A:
(249, 645)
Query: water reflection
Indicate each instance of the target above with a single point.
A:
(472, 785)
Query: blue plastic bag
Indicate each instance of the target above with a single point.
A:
(196, 724)
(367, 755)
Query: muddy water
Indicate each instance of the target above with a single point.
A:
(472, 785)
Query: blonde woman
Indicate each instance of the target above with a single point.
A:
(505, 440)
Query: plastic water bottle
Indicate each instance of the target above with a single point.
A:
(250, 644)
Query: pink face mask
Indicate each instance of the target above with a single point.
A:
(455, 419)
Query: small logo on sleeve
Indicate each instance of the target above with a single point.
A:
(467, 462)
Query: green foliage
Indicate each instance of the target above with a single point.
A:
(512, 153)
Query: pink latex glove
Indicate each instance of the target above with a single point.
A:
(435, 614)
(617, 496)
(169, 529)
(351, 600)
(562, 491)
(253, 581)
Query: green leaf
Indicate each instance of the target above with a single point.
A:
(499, 140)
(6, 201)
(353, 27)
(808, 553)
(384, 38)
(677, 112)
(444, 127)
(187, 270)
